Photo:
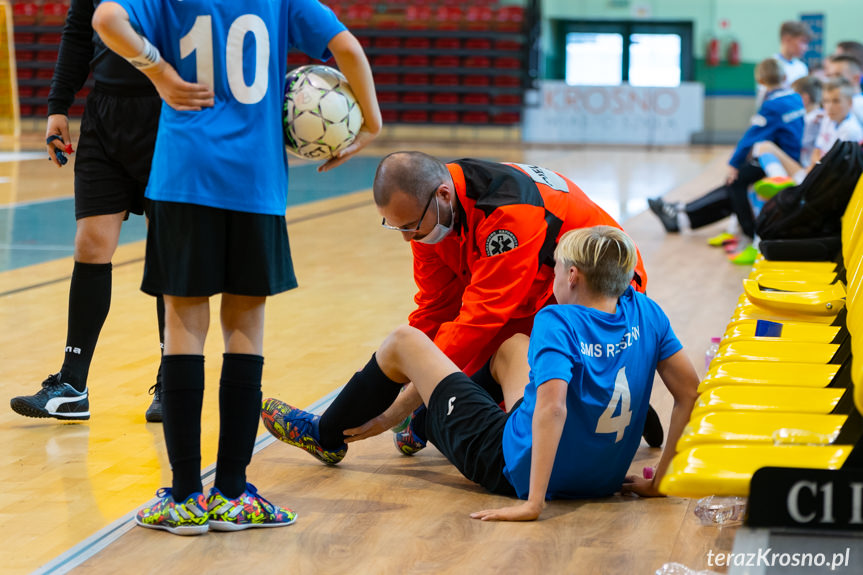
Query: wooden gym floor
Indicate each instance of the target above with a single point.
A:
(70, 489)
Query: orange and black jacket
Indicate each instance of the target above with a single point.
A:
(497, 266)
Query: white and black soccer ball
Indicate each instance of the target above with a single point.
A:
(321, 115)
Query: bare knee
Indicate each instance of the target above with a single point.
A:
(512, 350)
(96, 239)
(398, 338)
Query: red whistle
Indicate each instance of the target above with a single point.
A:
(68, 148)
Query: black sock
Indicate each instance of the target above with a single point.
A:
(368, 394)
(160, 317)
(89, 301)
(239, 412)
(182, 398)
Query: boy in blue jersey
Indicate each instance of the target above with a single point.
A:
(217, 195)
(779, 120)
(573, 431)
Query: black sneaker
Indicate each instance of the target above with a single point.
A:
(653, 433)
(667, 213)
(154, 412)
(55, 399)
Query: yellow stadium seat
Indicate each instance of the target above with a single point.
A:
(769, 398)
(773, 349)
(727, 469)
(760, 427)
(769, 277)
(821, 302)
(764, 373)
(773, 265)
(792, 330)
(748, 311)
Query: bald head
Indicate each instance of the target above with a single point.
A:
(412, 173)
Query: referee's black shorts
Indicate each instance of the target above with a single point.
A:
(199, 251)
(466, 425)
(112, 162)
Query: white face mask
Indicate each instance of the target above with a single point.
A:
(439, 232)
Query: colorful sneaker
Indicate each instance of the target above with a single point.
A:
(298, 428)
(187, 518)
(721, 239)
(769, 187)
(55, 399)
(746, 257)
(666, 212)
(154, 412)
(404, 437)
(246, 511)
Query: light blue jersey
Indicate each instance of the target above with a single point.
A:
(609, 361)
(232, 155)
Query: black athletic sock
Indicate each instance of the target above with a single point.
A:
(182, 398)
(368, 394)
(89, 301)
(160, 317)
(239, 412)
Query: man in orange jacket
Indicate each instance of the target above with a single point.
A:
(483, 236)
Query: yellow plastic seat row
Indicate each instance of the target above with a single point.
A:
(827, 301)
(769, 428)
(769, 398)
(790, 331)
(778, 350)
(813, 375)
(727, 469)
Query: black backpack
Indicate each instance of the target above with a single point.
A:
(814, 208)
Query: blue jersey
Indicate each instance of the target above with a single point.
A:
(779, 120)
(232, 155)
(609, 361)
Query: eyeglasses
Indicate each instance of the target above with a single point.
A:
(419, 222)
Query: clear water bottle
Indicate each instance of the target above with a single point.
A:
(718, 510)
(711, 352)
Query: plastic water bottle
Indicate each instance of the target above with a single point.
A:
(711, 352)
(717, 510)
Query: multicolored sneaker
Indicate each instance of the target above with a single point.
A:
(187, 518)
(746, 257)
(404, 437)
(298, 428)
(721, 239)
(246, 511)
(769, 187)
(55, 399)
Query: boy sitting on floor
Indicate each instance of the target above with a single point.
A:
(573, 431)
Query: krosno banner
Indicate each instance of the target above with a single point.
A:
(559, 113)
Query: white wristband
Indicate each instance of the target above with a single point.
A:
(148, 58)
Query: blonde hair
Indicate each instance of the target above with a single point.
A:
(769, 72)
(604, 254)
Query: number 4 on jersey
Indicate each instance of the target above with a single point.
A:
(610, 423)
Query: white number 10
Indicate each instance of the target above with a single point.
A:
(200, 40)
(608, 423)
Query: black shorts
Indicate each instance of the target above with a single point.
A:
(466, 425)
(112, 162)
(199, 251)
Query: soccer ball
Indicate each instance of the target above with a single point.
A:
(321, 115)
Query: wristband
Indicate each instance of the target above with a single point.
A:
(148, 58)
